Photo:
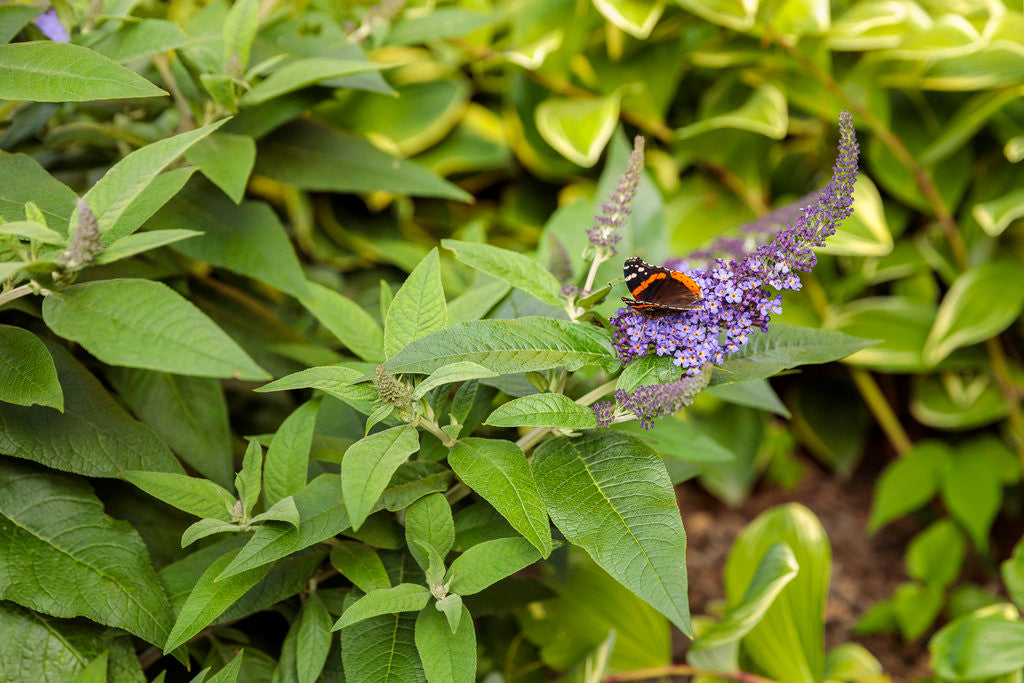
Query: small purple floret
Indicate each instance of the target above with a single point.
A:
(50, 25)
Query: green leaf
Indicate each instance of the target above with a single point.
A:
(283, 510)
(851, 662)
(441, 22)
(321, 515)
(764, 113)
(199, 497)
(936, 554)
(774, 572)
(451, 606)
(113, 194)
(498, 471)
(287, 462)
(973, 496)
(361, 565)
(138, 41)
(405, 597)
(248, 481)
(866, 232)
(623, 513)
(1012, 571)
(446, 656)
(314, 640)
(510, 267)
(245, 238)
(578, 128)
(93, 436)
(210, 597)
(488, 562)
(413, 480)
(227, 160)
(475, 302)
(38, 648)
(27, 372)
(335, 380)
(229, 674)
(429, 521)
(796, 617)
(240, 25)
(31, 230)
(131, 245)
(978, 646)
(908, 483)
(737, 15)
(68, 559)
(418, 308)
(995, 216)
(146, 324)
(207, 527)
(189, 413)
(966, 314)
(160, 191)
(782, 347)
(899, 323)
(915, 607)
(346, 320)
(594, 667)
(456, 372)
(13, 18)
(950, 401)
(756, 394)
(635, 17)
(24, 180)
(313, 157)
(44, 71)
(433, 567)
(381, 649)
(646, 370)
(509, 346)
(303, 73)
(543, 410)
(369, 464)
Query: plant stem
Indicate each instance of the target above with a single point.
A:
(16, 293)
(993, 346)
(684, 670)
(531, 438)
(590, 397)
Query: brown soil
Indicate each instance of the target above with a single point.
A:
(865, 569)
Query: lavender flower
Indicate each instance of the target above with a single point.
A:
(613, 212)
(50, 25)
(736, 296)
(604, 412)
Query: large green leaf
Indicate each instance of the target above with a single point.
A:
(381, 649)
(346, 320)
(901, 325)
(113, 194)
(321, 515)
(405, 597)
(303, 73)
(978, 646)
(578, 128)
(509, 346)
(313, 157)
(189, 413)
(486, 563)
(982, 302)
(785, 346)
(543, 410)
(65, 557)
(498, 471)
(211, 595)
(27, 374)
(623, 513)
(369, 464)
(93, 436)
(227, 160)
(418, 308)
(287, 462)
(146, 324)
(138, 41)
(446, 656)
(361, 565)
(511, 267)
(46, 71)
(788, 643)
(245, 238)
(37, 648)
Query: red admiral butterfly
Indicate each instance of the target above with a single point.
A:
(659, 291)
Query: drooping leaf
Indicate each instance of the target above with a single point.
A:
(93, 436)
(629, 522)
(369, 464)
(511, 267)
(543, 410)
(509, 346)
(27, 374)
(499, 472)
(287, 461)
(418, 308)
(67, 558)
(45, 71)
(446, 656)
(146, 324)
(314, 640)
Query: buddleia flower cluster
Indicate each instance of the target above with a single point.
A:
(738, 293)
(604, 234)
(649, 402)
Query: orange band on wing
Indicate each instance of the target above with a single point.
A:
(646, 283)
(686, 280)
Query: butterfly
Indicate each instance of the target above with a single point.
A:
(659, 291)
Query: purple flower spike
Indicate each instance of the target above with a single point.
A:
(604, 412)
(613, 212)
(50, 25)
(737, 300)
(650, 402)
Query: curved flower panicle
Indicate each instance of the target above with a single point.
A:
(648, 403)
(604, 235)
(737, 300)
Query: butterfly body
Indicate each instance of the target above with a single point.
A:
(657, 291)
